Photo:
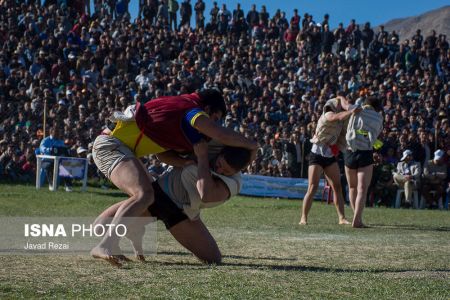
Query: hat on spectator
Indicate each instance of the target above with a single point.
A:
(62, 102)
(69, 92)
(81, 150)
(406, 153)
(438, 154)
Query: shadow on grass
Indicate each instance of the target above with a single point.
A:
(230, 256)
(277, 267)
(295, 267)
(410, 227)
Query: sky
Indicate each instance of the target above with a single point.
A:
(376, 12)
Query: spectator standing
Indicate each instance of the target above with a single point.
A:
(173, 7)
(264, 16)
(199, 14)
(186, 13)
(253, 17)
(224, 12)
(163, 13)
(367, 35)
(214, 13)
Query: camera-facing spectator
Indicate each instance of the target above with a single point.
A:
(407, 176)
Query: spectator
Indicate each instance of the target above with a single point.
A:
(253, 17)
(156, 169)
(55, 146)
(173, 7)
(199, 14)
(263, 76)
(214, 13)
(407, 176)
(382, 187)
(81, 152)
(13, 169)
(186, 13)
(163, 12)
(434, 176)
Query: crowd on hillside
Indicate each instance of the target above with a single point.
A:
(275, 73)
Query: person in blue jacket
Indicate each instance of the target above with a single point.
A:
(53, 145)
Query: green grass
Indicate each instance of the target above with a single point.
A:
(405, 254)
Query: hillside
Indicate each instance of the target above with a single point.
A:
(438, 19)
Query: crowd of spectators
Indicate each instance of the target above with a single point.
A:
(275, 73)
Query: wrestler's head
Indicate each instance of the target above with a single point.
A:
(213, 103)
(375, 102)
(231, 160)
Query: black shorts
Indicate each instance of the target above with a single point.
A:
(316, 159)
(164, 209)
(358, 159)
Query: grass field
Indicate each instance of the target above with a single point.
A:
(405, 254)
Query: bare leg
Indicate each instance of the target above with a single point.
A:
(352, 180)
(131, 177)
(136, 236)
(364, 178)
(314, 172)
(108, 214)
(194, 236)
(333, 176)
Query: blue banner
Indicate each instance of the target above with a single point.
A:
(266, 186)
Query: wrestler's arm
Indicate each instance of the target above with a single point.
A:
(210, 189)
(341, 116)
(172, 158)
(344, 102)
(223, 135)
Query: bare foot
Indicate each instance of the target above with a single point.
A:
(140, 257)
(136, 238)
(303, 222)
(122, 258)
(359, 225)
(344, 222)
(105, 254)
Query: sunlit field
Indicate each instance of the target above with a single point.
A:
(404, 254)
